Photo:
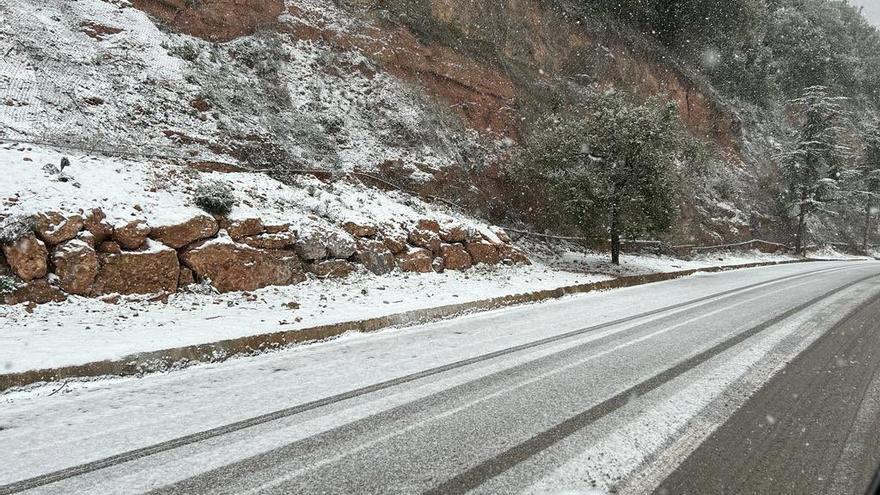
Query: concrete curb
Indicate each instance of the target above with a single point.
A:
(181, 357)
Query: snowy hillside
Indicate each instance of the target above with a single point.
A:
(102, 76)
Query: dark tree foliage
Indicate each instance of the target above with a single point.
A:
(867, 175)
(815, 162)
(608, 169)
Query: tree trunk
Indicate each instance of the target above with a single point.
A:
(615, 240)
(800, 248)
(867, 227)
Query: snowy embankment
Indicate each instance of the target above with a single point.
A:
(83, 330)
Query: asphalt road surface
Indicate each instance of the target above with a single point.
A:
(753, 381)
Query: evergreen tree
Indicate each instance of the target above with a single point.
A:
(868, 185)
(607, 170)
(813, 165)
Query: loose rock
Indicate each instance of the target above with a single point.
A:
(331, 268)
(76, 265)
(483, 252)
(27, 257)
(236, 267)
(138, 272)
(455, 257)
(359, 230)
(54, 228)
(181, 234)
(416, 260)
(131, 235)
(375, 256)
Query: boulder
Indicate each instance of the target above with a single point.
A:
(359, 230)
(96, 223)
(181, 234)
(416, 260)
(248, 227)
(483, 252)
(277, 228)
(331, 268)
(511, 254)
(54, 228)
(501, 234)
(375, 256)
(27, 257)
(149, 271)
(185, 277)
(310, 246)
(453, 233)
(395, 243)
(38, 291)
(276, 241)
(131, 235)
(76, 265)
(455, 257)
(237, 267)
(429, 225)
(340, 245)
(425, 239)
(473, 235)
(88, 238)
(109, 247)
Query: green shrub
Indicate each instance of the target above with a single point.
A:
(214, 198)
(7, 284)
(15, 227)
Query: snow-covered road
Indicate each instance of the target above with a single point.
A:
(606, 391)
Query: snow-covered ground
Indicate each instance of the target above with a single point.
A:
(84, 330)
(103, 76)
(162, 193)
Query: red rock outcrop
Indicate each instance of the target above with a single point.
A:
(27, 257)
(214, 20)
(513, 255)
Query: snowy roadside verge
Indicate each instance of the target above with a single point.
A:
(177, 357)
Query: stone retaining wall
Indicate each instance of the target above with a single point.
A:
(86, 255)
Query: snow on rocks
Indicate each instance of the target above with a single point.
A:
(27, 257)
(54, 228)
(137, 215)
(76, 265)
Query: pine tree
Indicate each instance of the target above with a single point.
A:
(813, 165)
(868, 180)
(607, 170)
